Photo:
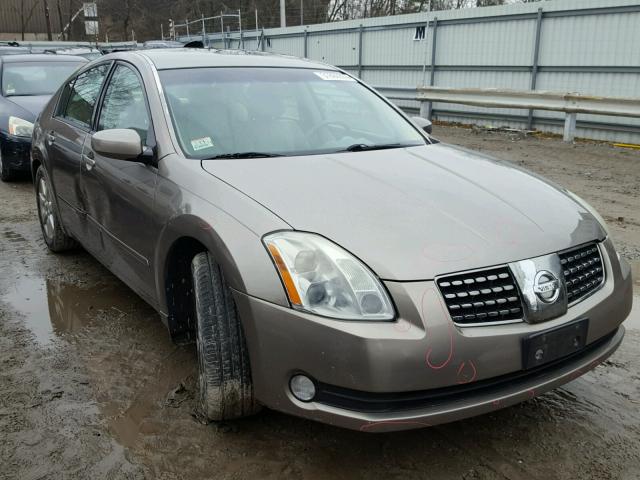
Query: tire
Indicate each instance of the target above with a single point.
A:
(6, 174)
(52, 232)
(225, 386)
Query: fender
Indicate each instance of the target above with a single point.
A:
(244, 260)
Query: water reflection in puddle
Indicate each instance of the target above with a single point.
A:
(136, 371)
(51, 308)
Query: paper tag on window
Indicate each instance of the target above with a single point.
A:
(201, 143)
(335, 76)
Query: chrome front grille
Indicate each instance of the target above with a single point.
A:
(583, 271)
(482, 296)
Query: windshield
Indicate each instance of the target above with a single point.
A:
(279, 111)
(31, 78)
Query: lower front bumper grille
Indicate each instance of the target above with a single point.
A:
(368, 402)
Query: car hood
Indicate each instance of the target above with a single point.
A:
(415, 213)
(31, 105)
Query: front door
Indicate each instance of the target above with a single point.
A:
(119, 194)
(65, 135)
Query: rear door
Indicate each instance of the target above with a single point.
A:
(65, 139)
(119, 194)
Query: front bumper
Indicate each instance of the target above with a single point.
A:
(16, 152)
(420, 370)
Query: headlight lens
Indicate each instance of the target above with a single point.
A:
(20, 127)
(322, 278)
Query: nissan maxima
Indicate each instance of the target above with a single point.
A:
(329, 258)
(27, 83)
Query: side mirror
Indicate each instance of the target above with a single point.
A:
(119, 143)
(422, 123)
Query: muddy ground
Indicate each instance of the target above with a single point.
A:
(91, 386)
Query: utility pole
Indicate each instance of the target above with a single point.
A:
(46, 16)
(283, 14)
(301, 12)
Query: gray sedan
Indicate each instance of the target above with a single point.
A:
(330, 259)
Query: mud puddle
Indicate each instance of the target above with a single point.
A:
(53, 309)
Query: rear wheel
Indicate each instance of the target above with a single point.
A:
(6, 174)
(226, 389)
(54, 236)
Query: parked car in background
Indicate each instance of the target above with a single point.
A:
(27, 82)
(331, 260)
(88, 53)
(13, 50)
(161, 44)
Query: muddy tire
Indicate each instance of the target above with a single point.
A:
(226, 390)
(52, 232)
(6, 174)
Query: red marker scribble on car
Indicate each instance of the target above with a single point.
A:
(467, 372)
(430, 363)
(409, 423)
(402, 326)
(576, 374)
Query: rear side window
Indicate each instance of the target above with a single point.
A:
(79, 96)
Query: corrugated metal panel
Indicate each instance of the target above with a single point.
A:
(11, 16)
(612, 39)
(336, 49)
(494, 43)
(287, 45)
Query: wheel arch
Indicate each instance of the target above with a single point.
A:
(243, 259)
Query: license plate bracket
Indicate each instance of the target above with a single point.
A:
(553, 344)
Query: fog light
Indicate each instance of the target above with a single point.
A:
(302, 388)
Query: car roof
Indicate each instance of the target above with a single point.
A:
(171, 58)
(36, 57)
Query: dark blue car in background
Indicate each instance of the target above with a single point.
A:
(27, 83)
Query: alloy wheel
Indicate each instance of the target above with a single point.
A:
(45, 208)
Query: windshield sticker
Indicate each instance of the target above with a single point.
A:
(201, 143)
(334, 76)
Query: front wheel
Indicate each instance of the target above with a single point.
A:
(54, 236)
(226, 389)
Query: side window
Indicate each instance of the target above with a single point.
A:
(79, 97)
(124, 104)
(64, 98)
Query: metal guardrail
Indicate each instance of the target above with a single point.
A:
(569, 103)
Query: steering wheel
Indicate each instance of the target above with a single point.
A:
(326, 125)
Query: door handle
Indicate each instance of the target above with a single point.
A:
(51, 137)
(89, 160)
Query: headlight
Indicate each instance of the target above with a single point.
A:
(20, 127)
(322, 278)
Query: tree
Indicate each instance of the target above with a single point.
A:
(47, 18)
(25, 12)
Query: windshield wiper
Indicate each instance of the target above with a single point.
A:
(363, 147)
(244, 155)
